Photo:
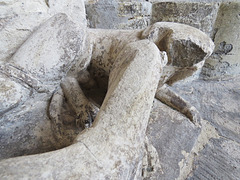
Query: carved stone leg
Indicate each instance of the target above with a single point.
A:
(113, 147)
(169, 97)
(63, 120)
(84, 109)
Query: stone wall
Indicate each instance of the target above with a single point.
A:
(114, 14)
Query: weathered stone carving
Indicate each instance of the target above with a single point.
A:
(106, 45)
(129, 65)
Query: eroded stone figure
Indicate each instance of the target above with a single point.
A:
(106, 45)
(127, 69)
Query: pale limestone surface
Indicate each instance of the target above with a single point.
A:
(37, 67)
(132, 129)
(109, 41)
(91, 154)
(113, 151)
(52, 50)
(19, 19)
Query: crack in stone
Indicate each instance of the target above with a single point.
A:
(47, 3)
(91, 152)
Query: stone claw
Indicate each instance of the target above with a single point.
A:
(84, 110)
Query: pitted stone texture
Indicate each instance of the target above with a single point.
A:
(19, 19)
(122, 142)
(104, 46)
(151, 167)
(186, 47)
(199, 15)
(116, 14)
(51, 50)
(112, 148)
(225, 58)
(41, 61)
(27, 129)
